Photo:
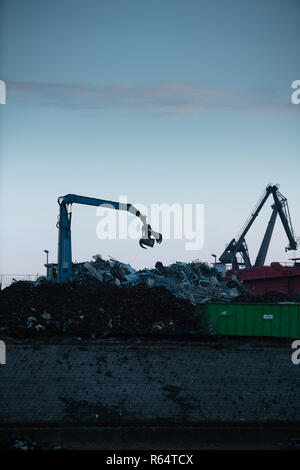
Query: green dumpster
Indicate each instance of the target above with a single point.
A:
(280, 320)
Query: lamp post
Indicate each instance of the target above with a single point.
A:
(47, 255)
(215, 256)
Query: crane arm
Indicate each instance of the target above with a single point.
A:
(252, 217)
(149, 236)
(237, 245)
(283, 211)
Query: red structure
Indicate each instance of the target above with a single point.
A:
(276, 277)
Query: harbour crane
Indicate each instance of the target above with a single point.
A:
(238, 245)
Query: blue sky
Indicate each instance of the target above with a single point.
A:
(166, 101)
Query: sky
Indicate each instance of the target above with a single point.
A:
(167, 101)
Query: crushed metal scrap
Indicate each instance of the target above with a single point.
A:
(194, 281)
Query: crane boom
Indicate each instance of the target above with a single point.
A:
(261, 256)
(284, 214)
(64, 227)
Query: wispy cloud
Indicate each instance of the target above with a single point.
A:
(179, 98)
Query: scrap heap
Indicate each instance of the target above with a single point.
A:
(109, 299)
(92, 311)
(194, 281)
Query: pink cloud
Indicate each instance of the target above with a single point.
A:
(181, 98)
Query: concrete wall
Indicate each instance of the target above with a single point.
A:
(161, 382)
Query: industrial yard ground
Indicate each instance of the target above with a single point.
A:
(209, 393)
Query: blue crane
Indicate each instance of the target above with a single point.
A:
(149, 236)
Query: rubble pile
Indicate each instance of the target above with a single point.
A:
(195, 281)
(96, 310)
(108, 298)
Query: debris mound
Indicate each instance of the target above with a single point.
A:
(94, 310)
(195, 281)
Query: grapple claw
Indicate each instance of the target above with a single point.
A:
(147, 242)
(149, 236)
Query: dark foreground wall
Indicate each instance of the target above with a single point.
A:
(160, 382)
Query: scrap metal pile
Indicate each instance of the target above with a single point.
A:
(194, 281)
(92, 311)
(109, 299)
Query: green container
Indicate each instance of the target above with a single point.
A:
(249, 319)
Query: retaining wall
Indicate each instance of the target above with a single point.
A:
(160, 382)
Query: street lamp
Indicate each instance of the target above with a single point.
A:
(47, 254)
(215, 256)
